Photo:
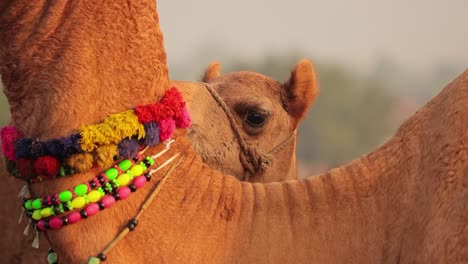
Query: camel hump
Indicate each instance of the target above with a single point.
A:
(213, 71)
(301, 89)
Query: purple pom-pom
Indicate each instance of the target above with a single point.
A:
(128, 148)
(71, 145)
(152, 134)
(55, 148)
(23, 148)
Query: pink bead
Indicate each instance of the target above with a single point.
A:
(108, 201)
(124, 192)
(92, 209)
(40, 225)
(139, 181)
(74, 217)
(55, 223)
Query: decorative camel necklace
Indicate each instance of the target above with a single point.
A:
(122, 137)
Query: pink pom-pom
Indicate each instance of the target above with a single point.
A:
(74, 217)
(92, 209)
(55, 223)
(166, 128)
(8, 135)
(124, 192)
(139, 181)
(184, 120)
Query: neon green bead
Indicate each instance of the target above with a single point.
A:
(137, 170)
(46, 212)
(28, 205)
(124, 165)
(123, 179)
(81, 189)
(94, 260)
(36, 204)
(78, 202)
(94, 196)
(65, 196)
(151, 160)
(37, 215)
(111, 173)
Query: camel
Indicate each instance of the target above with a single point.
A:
(405, 202)
(260, 109)
(205, 110)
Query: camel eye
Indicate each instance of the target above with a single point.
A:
(255, 119)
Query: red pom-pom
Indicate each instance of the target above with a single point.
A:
(25, 168)
(47, 166)
(170, 106)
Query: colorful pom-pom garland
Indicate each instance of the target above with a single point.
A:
(121, 135)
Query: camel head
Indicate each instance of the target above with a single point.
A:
(266, 113)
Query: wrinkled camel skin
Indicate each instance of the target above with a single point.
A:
(247, 94)
(403, 203)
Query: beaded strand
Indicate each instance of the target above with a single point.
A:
(122, 193)
(57, 222)
(92, 191)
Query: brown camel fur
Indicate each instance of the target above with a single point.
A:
(267, 114)
(406, 202)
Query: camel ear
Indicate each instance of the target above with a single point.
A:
(213, 71)
(301, 90)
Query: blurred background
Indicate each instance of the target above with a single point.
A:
(377, 61)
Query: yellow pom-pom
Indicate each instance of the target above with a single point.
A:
(81, 162)
(115, 128)
(78, 202)
(105, 155)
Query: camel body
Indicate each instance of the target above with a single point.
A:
(406, 202)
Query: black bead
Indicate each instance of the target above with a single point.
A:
(101, 256)
(132, 224)
(116, 196)
(135, 159)
(83, 214)
(114, 187)
(65, 207)
(148, 177)
(101, 180)
(147, 163)
(101, 205)
(29, 214)
(23, 201)
(51, 250)
(105, 189)
(56, 210)
(64, 220)
(132, 187)
(46, 224)
(92, 184)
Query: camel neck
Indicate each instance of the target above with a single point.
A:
(70, 63)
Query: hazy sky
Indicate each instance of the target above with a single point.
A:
(416, 33)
